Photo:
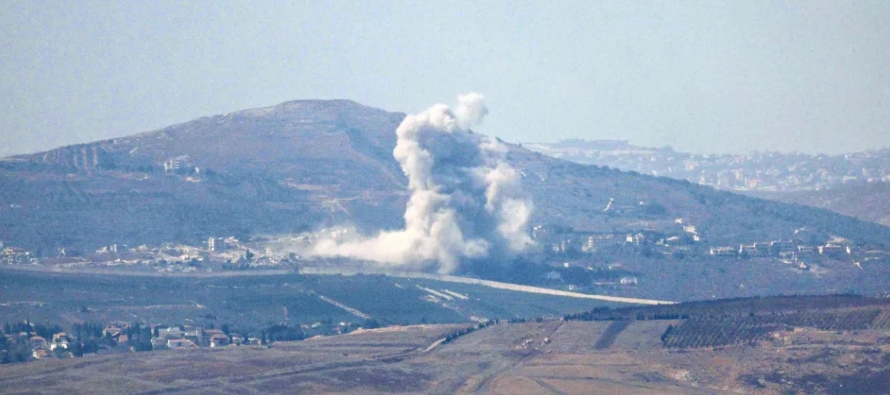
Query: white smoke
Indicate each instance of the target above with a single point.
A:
(466, 201)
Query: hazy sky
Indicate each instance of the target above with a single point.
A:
(707, 76)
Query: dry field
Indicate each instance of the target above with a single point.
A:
(549, 357)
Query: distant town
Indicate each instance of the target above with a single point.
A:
(758, 171)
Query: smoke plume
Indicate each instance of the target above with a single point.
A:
(465, 200)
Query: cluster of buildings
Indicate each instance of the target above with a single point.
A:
(217, 253)
(684, 240)
(770, 171)
(14, 255)
(785, 249)
(42, 348)
(189, 336)
(117, 337)
(555, 240)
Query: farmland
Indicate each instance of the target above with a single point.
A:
(536, 357)
(251, 302)
(429, 342)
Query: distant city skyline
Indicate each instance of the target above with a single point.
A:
(701, 77)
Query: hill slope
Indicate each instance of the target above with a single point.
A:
(576, 195)
(279, 169)
(867, 202)
(305, 164)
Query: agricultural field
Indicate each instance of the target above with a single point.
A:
(252, 302)
(535, 357)
(837, 344)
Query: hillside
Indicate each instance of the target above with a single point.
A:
(305, 164)
(147, 200)
(286, 168)
(576, 195)
(867, 202)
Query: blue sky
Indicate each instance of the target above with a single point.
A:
(708, 76)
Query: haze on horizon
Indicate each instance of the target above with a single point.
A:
(704, 77)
